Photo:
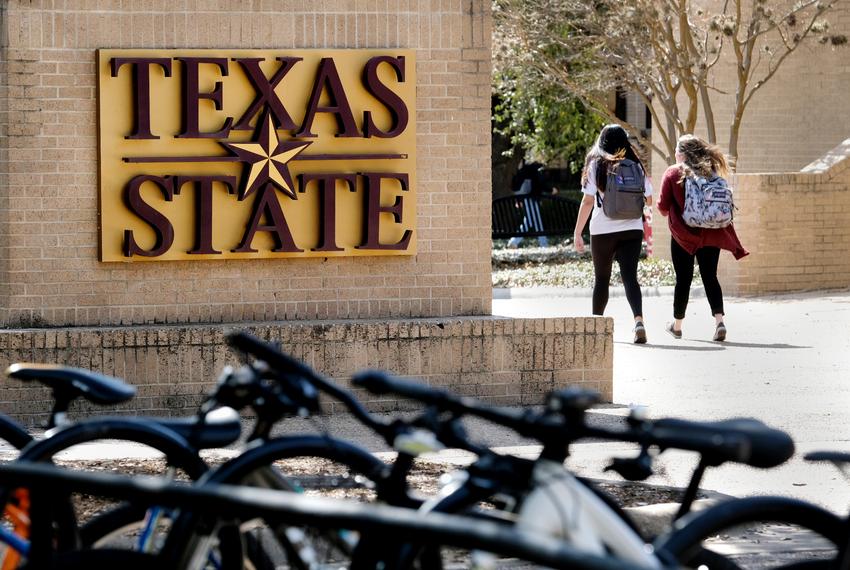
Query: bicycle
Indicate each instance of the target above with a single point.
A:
(735, 447)
(276, 507)
(180, 441)
(271, 397)
(253, 467)
(553, 493)
(66, 385)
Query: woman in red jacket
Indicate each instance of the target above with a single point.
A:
(695, 156)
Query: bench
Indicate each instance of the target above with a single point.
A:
(558, 216)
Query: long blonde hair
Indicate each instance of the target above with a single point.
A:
(701, 158)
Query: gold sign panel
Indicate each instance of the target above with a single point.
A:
(239, 154)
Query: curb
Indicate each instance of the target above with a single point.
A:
(582, 292)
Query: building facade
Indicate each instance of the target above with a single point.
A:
(92, 199)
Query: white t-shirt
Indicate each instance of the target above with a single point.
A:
(599, 222)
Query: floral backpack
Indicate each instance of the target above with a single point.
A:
(708, 202)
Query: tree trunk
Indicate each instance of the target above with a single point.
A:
(708, 111)
(734, 131)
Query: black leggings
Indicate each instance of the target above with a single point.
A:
(683, 264)
(625, 248)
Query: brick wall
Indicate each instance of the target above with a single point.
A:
(797, 228)
(49, 273)
(504, 361)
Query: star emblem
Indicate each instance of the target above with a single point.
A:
(266, 158)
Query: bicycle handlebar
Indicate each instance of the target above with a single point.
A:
(741, 440)
(287, 365)
(523, 422)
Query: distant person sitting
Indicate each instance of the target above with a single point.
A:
(530, 182)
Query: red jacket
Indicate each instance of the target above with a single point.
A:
(670, 204)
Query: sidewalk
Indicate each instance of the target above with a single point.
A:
(786, 362)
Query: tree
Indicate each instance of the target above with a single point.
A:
(542, 118)
(667, 51)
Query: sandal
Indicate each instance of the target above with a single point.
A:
(720, 332)
(673, 332)
(640, 333)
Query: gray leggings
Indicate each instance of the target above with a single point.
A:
(625, 248)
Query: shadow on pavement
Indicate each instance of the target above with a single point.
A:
(750, 344)
(712, 345)
(650, 344)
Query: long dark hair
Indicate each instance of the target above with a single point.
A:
(611, 146)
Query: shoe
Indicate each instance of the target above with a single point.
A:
(720, 332)
(673, 332)
(640, 333)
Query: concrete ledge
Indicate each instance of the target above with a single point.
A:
(572, 292)
(502, 360)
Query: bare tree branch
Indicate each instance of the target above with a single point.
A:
(668, 51)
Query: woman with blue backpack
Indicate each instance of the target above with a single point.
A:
(697, 201)
(616, 189)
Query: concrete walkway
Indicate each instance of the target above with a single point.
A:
(786, 361)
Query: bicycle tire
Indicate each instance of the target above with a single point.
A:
(361, 463)
(685, 542)
(176, 449)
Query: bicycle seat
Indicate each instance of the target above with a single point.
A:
(831, 456)
(219, 428)
(742, 440)
(70, 383)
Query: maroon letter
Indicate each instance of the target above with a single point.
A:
(204, 207)
(160, 224)
(372, 194)
(328, 74)
(327, 205)
(192, 96)
(265, 92)
(266, 203)
(382, 93)
(141, 90)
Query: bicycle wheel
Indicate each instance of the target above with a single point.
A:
(310, 464)
(310, 471)
(734, 534)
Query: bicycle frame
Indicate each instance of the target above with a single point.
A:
(560, 505)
